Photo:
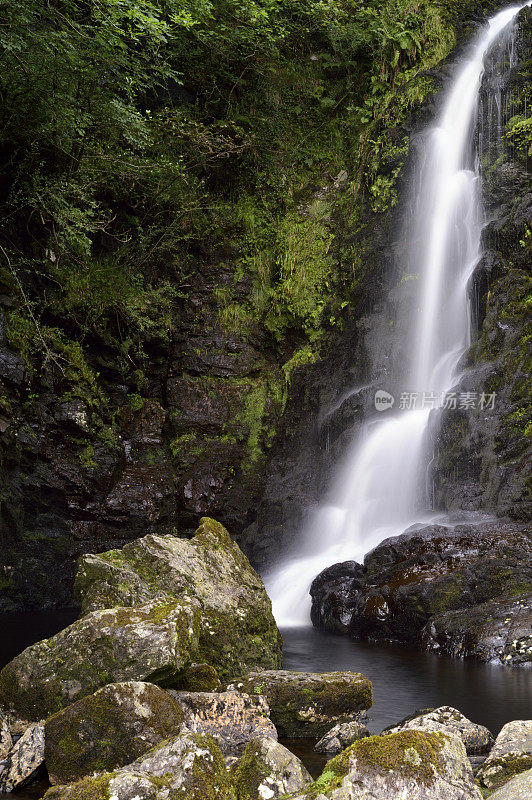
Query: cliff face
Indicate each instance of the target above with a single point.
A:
(212, 380)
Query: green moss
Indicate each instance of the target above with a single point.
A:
(249, 773)
(499, 772)
(96, 788)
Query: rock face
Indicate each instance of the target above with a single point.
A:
(410, 764)
(153, 642)
(518, 788)
(237, 628)
(268, 770)
(476, 738)
(6, 741)
(108, 729)
(307, 704)
(462, 590)
(340, 737)
(25, 761)
(188, 767)
(231, 718)
(510, 755)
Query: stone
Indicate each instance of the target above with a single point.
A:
(25, 761)
(201, 678)
(340, 737)
(187, 767)
(6, 742)
(307, 704)
(518, 788)
(231, 718)
(108, 729)
(268, 770)
(476, 738)
(334, 593)
(409, 764)
(510, 755)
(154, 642)
(237, 630)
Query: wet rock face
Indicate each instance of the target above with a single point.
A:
(237, 628)
(153, 642)
(108, 729)
(188, 767)
(413, 764)
(307, 704)
(463, 591)
(231, 718)
(476, 738)
(511, 754)
(268, 770)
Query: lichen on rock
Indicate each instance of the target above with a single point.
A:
(268, 770)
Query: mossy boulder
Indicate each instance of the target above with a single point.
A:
(518, 788)
(510, 755)
(108, 729)
(154, 642)
(476, 738)
(231, 718)
(188, 767)
(409, 764)
(201, 678)
(238, 631)
(268, 770)
(308, 704)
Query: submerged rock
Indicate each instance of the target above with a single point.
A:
(108, 729)
(518, 788)
(237, 630)
(188, 767)
(268, 770)
(476, 738)
(510, 755)
(154, 642)
(307, 704)
(341, 736)
(409, 764)
(25, 761)
(231, 718)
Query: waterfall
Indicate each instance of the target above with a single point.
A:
(377, 492)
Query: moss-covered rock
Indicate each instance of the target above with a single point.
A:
(238, 630)
(154, 642)
(409, 764)
(308, 704)
(510, 755)
(231, 718)
(108, 729)
(188, 767)
(268, 770)
(518, 788)
(201, 678)
(476, 738)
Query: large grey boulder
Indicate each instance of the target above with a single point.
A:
(308, 704)
(408, 765)
(476, 738)
(188, 767)
(340, 737)
(108, 729)
(25, 760)
(268, 770)
(510, 755)
(238, 631)
(154, 642)
(233, 719)
(518, 788)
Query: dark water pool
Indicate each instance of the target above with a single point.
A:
(405, 680)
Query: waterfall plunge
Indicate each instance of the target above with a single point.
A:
(375, 494)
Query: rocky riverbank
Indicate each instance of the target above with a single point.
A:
(168, 687)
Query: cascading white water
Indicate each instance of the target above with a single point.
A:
(375, 494)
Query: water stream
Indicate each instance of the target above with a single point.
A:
(379, 492)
